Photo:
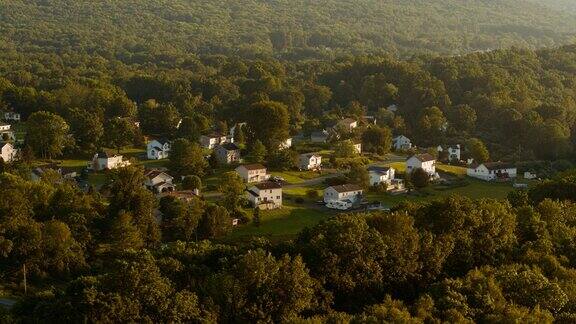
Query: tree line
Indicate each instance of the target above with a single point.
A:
(521, 104)
(455, 259)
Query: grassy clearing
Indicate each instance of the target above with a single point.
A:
(474, 189)
(281, 223)
(456, 170)
(295, 177)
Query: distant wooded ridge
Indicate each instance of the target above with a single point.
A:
(140, 31)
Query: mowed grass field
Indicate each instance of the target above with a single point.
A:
(280, 224)
(474, 189)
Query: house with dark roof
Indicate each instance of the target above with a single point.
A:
(265, 195)
(425, 161)
(227, 153)
(159, 182)
(158, 149)
(381, 175)
(492, 171)
(252, 173)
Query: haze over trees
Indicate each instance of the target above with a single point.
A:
(92, 74)
(130, 31)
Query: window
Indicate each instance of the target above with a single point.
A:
(278, 197)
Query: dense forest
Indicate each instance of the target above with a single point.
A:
(95, 75)
(102, 257)
(521, 103)
(456, 260)
(140, 31)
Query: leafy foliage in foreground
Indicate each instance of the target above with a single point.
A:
(451, 260)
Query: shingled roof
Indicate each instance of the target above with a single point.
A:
(347, 188)
(424, 157)
(267, 185)
(253, 167)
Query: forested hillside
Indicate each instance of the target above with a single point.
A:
(137, 31)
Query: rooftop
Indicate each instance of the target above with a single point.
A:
(498, 165)
(378, 169)
(347, 188)
(230, 146)
(252, 167)
(151, 174)
(105, 154)
(268, 185)
(424, 157)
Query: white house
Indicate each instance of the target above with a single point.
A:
(107, 160)
(251, 173)
(347, 192)
(286, 144)
(158, 149)
(347, 124)
(8, 152)
(379, 175)
(12, 116)
(425, 162)
(159, 182)
(227, 153)
(319, 136)
(310, 161)
(453, 152)
(265, 195)
(212, 140)
(492, 171)
(401, 143)
(358, 148)
(6, 132)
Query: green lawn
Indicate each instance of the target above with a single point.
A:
(281, 223)
(456, 170)
(74, 164)
(296, 177)
(474, 189)
(398, 166)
